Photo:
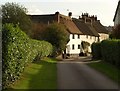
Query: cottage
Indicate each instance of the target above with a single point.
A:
(86, 28)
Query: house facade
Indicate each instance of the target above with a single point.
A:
(117, 15)
(85, 29)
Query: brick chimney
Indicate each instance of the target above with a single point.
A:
(57, 17)
(85, 16)
(93, 17)
(70, 14)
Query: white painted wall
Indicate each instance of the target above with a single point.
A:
(77, 42)
(74, 41)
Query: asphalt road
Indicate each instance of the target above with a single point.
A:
(77, 75)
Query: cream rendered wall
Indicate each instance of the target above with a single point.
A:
(89, 39)
(103, 36)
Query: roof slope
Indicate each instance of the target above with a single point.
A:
(50, 18)
(86, 29)
(93, 30)
(72, 28)
(43, 18)
(99, 27)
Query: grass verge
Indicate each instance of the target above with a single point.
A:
(109, 70)
(39, 75)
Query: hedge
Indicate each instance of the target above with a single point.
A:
(17, 51)
(110, 50)
(96, 50)
(107, 50)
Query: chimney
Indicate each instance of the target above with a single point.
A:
(70, 14)
(95, 17)
(85, 16)
(57, 16)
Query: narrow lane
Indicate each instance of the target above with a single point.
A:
(75, 75)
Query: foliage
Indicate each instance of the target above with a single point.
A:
(110, 50)
(37, 29)
(57, 35)
(16, 14)
(116, 32)
(18, 50)
(39, 75)
(85, 46)
(108, 69)
(96, 50)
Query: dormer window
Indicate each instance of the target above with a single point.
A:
(73, 36)
(78, 36)
(87, 36)
(79, 46)
(90, 37)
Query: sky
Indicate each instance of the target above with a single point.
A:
(104, 9)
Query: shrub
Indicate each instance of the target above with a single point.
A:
(16, 14)
(85, 46)
(96, 50)
(57, 35)
(110, 50)
(18, 51)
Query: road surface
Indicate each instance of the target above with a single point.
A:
(73, 74)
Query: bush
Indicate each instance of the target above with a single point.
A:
(110, 50)
(96, 50)
(18, 51)
(85, 46)
(57, 35)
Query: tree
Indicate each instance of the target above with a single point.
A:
(116, 32)
(16, 14)
(57, 35)
(37, 29)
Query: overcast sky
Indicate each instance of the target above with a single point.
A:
(104, 9)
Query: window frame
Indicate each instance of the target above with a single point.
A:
(73, 36)
(78, 46)
(73, 46)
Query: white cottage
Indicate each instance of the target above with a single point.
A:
(86, 28)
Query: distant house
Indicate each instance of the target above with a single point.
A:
(73, 46)
(117, 15)
(92, 29)
(86, 28)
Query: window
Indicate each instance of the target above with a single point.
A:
(73, 46)
(73, 36)
(95, 38)
(78, 36)
(78, 46)
(87, 36)
(90, 37)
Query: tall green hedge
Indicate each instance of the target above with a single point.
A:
(110, 50)
(18, 50)
(96, 50)
(107, 50)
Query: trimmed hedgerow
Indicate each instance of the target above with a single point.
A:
(18, 50)
(110, 50)
(107, 50)
(96, 50)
